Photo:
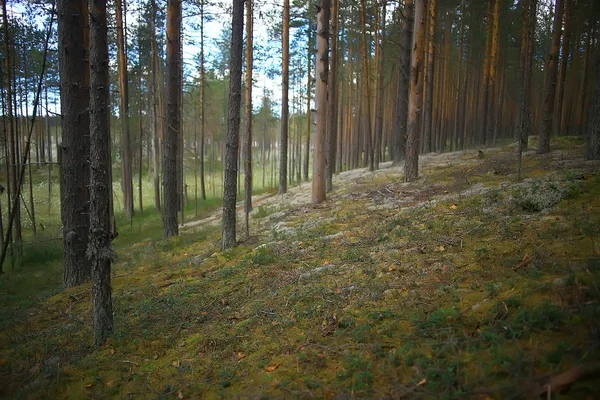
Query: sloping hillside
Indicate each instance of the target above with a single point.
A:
(463, 284)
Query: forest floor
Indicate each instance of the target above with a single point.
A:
(462, 284)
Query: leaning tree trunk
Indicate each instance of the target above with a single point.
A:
(100, 249)
(285, 81)
(593, 145)
(75, 150)
(126, 161)
(173, 122)
(318, 183)
(551, 75)
(399, 140)
(248, 136)
(233, 131)
(415, 100)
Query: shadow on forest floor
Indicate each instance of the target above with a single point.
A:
(461, 284)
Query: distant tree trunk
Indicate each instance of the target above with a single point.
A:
(404, 83)
(427, 137)
(491, 100)
(285, 81)
(551, 74)
(248, 136)
(233, 132)
(524, 112)
(308, 115)
(154, 86)
(415, 101)
(318, 183)
(100, 249)
(75, 148)
(593, 145)
(126, 159)
(202, 100)
(379, 84)
(367, 79)
(484, 92)
(172, 125)
(333, 98)
(564, 59)
(141, 129)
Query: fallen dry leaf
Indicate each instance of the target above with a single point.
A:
(453, 206)
(422, 382)
(272, 368)
(179, 394)
(240, 356)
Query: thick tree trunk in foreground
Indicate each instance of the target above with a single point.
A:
(551, 75)
(399, 140)
(99, 249)
(593, 145)
(248, 136)
(173, 122)
(318, 183)
(285, 80)
(202, 100)
(415, 100)
(233, 132)
(75, 150)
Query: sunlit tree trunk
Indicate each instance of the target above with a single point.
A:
(285, 82)
(172, 121)
(332, 106)
(429, 78)
(318, 182)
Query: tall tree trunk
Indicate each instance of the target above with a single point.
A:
(308, 114)
(429, 84)
(404, 83)
(379, 84)
(75, 148)
(415, 100)
(484, 92)
(527, 44)
(141, 129)
(126, 159)
(233, 132)
(173, 122)
(99, 249)
(203, 101)
(551, 74)
(248, 136)
(564, 59)
(285, 82)
(318, 183)
(491, 103)
(154, 99)
(367, 78)
(333, 98)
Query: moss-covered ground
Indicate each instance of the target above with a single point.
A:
(463, 284)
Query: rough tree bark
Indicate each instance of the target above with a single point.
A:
(285, 80)
(172, 119)
(318, 182)
(233, 131)
(75, 148)
(403, 83)
(379, 85)
(202, 100)
(367, 79)
(154, 109)
(551, 75)
(491, 100)
(415, 100)
(99, 249)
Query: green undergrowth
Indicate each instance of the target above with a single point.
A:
(451, 293)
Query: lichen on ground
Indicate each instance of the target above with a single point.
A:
(452, 286)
